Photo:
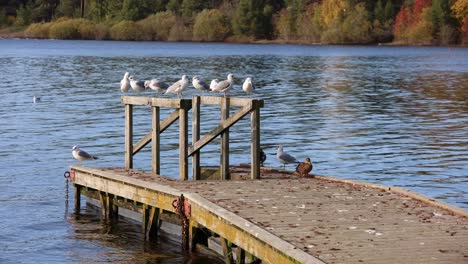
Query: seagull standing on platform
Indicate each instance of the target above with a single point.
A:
(248, 86)
(178, 87)
(156, 85)
(303, 168)
(137, 86)
(82, 155)
(199, 84)
(125, 83)
(284, 157)
(225, 85)
(213, 84)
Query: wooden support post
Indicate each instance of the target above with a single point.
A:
(155, 141)
(255, 142)
(112, 209)
(227, 251)
(77, 198)
(224, 166)
(152, 225)
(240, 255)
(128, 136)
(183, 144)
(196, 136)
(104, 201)
(144, 219)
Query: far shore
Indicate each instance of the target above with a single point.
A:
(8, 33)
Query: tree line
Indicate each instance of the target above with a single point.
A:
(416, 22)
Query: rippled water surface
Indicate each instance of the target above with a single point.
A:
(390, 115)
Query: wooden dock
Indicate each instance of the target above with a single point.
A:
(262, 214)
(282, 218)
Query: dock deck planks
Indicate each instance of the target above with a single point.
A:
(332, 220)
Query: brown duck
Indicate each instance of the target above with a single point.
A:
(303, 168)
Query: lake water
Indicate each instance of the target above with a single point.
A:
(396, 116)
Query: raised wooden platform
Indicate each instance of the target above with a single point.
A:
(282, 218)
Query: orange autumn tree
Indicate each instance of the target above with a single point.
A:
(460, 10)
(412, 25)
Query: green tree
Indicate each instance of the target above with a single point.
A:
(211, 25)
(253, 18)
(24, 14)
(66, 8)
(356, 26)
(191, 7)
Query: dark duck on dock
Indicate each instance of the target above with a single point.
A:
(262, 157)
(303, 168)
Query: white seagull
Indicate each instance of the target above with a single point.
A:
(125, 83)
(156, 85)
(225, 85)
(36, 99)
(284, 157)
(213, 84)
(137, 86)
(199, 84)
(82, 155)
(248, 86)
(178, 87)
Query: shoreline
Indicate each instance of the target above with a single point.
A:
(9, 33)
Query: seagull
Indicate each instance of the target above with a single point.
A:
(262, 157)
(156, 85)
(125, 83)
(199, 84)
(248, 86)
(138, 86)
(178, 87)
(225, 85)
(303, 168)
(213, 84)
(36, 99)
(82, 155)
(284, 157)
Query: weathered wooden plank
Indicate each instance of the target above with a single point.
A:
(155, 140)
(155, 101)
(219, 129)
(224, 155)
(128, 136)
(196, 136)
(183, 144)
(255, 143)
(217, 100)
(168, 121)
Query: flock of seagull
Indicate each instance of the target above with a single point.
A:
(302, 168)
(178, 87)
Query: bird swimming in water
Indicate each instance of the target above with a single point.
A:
(248, 86)
(303, 168)
(82, 155)
(199, 84)
(225, 85)
(125, 83)
(137, 86)
(156, 85)
(178, 87)
(284, 157)
(36, 99)
(262, 157)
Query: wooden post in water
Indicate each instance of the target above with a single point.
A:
(224, 166)
(255, 141)
(183, 143)
(155, 141)
(196, 136)
(77, 198)
(128, 136)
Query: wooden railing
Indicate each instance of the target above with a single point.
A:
(182, 106)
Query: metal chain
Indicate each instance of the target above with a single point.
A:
(184, 222)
